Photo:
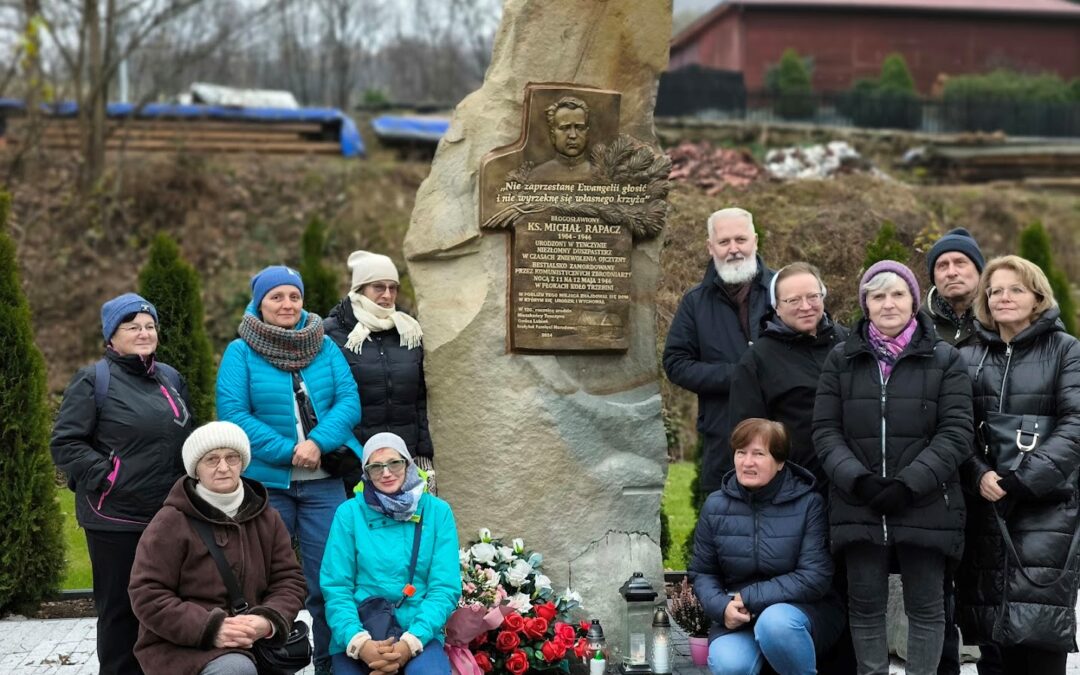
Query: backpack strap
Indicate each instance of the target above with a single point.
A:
(236, 597)
(101, 383)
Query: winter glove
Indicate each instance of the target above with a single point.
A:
(894, 498)
(870, 486)
(1013, 487)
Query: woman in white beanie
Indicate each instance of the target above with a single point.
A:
(383, 347)
(177, 592)
(368, 555)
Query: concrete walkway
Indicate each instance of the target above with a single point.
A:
(67, 647)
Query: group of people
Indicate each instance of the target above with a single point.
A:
(934, 435)
(321, 442)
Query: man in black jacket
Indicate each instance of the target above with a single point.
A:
(954, 265)
(715, 323)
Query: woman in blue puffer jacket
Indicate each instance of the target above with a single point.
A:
(281, 360)
(761, 565)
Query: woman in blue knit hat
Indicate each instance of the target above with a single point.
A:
(892, 424)
(286, 384)
(118, 439)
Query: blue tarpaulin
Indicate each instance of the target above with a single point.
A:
(410, 128)
(348, 134)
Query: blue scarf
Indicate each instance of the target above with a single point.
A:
(401, 505)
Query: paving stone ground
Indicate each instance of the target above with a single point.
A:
(67, 647)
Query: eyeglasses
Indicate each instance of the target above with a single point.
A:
(814, 299)
(212, 461)
(997, 293)
(395, 467)
(135, 329)
(383, 288)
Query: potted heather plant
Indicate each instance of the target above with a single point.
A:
(686, 610)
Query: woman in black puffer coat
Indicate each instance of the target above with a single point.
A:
(761, 565)
(892, 423)
(383, 347)
(1022, 364)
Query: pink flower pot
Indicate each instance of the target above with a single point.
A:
(699, 651)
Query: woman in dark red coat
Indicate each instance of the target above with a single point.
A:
(177, 591)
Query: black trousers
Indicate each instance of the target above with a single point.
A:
(950, 646)
(111, 557)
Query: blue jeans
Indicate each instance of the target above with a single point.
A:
(308, 508)
(431, 661)
(780, 635)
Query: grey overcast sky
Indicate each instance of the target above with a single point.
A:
(698, 6)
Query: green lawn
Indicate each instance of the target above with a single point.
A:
(77, 565)
(680, 513)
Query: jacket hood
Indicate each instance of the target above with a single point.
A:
(1048, 322)
(795, 482)
(253, 310)
(776, 328)
(342, 313)
(922, 342)
(184, 499)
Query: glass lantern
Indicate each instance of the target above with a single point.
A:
(640, 598)
(660, 658)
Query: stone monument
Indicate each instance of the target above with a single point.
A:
(534, 252)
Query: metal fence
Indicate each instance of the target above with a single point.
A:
(874, 110)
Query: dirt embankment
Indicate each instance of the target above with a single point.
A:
(234, 215)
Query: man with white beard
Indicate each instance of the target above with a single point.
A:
(715, 323)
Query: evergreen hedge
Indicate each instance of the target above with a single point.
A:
(792, 87)
(1035, 246)
(31, 543)
(320, 282)
(173, 286)
(889, 101)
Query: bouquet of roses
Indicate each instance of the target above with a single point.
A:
(534, 629)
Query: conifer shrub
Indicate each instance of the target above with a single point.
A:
(31, 543)
(320, 282)
(173, 286)
(888, 101)
(1035, 246)
(886, 246)
(791, 85)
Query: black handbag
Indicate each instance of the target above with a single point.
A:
(338, 463)
(1006, 439)
(271, 659)
(377, 613)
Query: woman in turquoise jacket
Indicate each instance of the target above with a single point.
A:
(368, 555)
(281, 360)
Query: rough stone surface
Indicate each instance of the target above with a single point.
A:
(567, 451)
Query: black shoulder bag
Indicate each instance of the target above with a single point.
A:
(338, 463)
(281, 659)
(377, 613)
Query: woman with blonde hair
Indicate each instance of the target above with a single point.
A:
(1018, 591)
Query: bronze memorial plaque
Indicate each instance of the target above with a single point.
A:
(574, 194)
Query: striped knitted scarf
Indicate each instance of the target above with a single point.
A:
(285, 348)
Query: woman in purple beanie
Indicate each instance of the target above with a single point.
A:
(892, 424)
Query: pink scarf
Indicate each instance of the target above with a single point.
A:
(887, 349)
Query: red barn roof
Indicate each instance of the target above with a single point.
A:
(1026, 8)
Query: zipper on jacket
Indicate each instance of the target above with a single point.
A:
(753, 508)
(945, 493)
(1005, 377)
(884, 471)
(959, 329)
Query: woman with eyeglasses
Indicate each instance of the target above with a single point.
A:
(117, 438)
(1019, 582)
(397, 542)
(777, 377)
(186, 621)
(383, 347)
(286, 384)
(892, 424)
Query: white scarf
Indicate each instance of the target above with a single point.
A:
(226, 502)
(371, 318)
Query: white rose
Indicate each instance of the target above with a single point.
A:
(483, 553)
(463, 557)
(519, 545)
(518, 573)
(542, 582)
(485, 535)
(520, 602)
(506, 553)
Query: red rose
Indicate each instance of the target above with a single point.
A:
(584, 625)
(546, 611)
(535, 629)
(553, 650)
(514, 622)
(581, 649)
(480, 639)
(565, 634)
(507, 641)
(484, 662)
(517, 663)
